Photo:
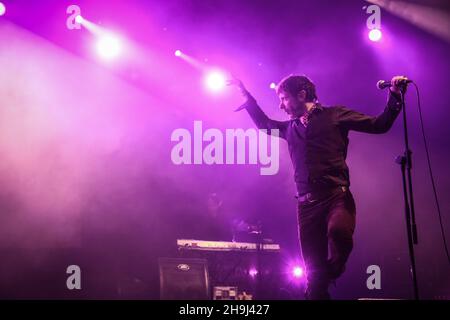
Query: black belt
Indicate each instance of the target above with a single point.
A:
(314, 196)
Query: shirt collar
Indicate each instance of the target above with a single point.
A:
(316, 107)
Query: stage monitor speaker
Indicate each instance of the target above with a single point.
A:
(183, 279)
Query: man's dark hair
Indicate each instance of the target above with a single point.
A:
(293, 84)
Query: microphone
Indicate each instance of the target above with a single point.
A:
(383, 84)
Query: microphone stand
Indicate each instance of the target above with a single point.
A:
(405, 162)
(259, 248)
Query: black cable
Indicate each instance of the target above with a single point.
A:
(431, 173)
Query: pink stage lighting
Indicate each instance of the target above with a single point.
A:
(273, 85)
(79, 19)
(2, 9)
(215, 81)
(177, 53)
(297, 272)
(375, 35)
(109, 46)
(252, 272)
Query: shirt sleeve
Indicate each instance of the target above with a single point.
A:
(261, 120)
(353, 120)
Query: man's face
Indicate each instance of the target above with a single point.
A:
(294, 106)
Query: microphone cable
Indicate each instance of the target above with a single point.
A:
(431, 172)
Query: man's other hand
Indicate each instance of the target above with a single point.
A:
(398, 84)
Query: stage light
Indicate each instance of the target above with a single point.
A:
(215, 81)
(109, 46)
(252, 272)
(297, 272)
(177, 53)
(375, 35)
(79, 19)
(2, 9)
(273, 85)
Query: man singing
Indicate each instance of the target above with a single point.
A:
(317, 138)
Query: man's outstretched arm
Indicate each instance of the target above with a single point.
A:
(353, 120)
(258, 116)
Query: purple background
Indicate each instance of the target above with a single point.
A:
(86, 176)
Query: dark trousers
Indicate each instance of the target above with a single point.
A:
(326, 226)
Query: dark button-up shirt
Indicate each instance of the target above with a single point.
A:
(319, 149)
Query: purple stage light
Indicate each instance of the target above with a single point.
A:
(375, 35)
(2, 9)
(297, 272)
(109, 46)
(215, 81)
(79, 19)
(273, 85)
(252, 272)
(177, 53)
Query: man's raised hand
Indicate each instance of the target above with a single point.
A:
(244, 92)
(238, 83)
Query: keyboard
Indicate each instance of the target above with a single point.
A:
(190, 244)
